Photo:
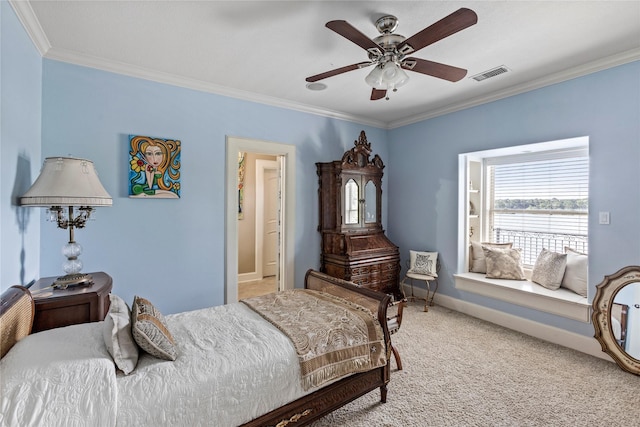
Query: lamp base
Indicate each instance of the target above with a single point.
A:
(73, 280)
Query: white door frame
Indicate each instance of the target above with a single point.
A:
(286, 263)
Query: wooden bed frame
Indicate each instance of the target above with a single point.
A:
(313, 406)
(17, 308)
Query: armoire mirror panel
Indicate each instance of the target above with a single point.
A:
(616, 317)
(351, 204)
(370, 204)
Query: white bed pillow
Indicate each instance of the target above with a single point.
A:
(117, 335)
(575, 274)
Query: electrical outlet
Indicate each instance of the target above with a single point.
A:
(604, 218)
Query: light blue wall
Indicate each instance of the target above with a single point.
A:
(423, 171)
(20, 107)
(173, 251)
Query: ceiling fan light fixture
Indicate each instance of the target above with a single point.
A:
(387, 76)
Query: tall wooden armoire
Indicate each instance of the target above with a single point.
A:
(354, 246)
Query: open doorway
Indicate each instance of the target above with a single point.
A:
(259, 224)
(284, 155)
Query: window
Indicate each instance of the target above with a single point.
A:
(535, 196)
(538, 200)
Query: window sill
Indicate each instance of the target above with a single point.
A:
(561, 302)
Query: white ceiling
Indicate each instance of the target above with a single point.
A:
(263, 50)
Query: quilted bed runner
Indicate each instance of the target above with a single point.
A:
(332, 336)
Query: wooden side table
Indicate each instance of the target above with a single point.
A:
(63, 307)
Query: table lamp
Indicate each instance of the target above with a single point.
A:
(65, 183)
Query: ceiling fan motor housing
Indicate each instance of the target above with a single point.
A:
(387, 24)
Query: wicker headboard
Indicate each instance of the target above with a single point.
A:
(16, 317)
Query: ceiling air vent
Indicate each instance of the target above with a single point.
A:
(490, 73)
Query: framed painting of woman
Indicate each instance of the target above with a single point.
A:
(154, 167)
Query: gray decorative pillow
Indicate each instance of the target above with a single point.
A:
(478, 263)
(423, 263)
(575, 275)
(549, 269)
(150, 330)
(503, 263)
(117, 335)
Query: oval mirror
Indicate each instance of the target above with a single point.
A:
(616, 317)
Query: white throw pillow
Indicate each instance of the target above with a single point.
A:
(575, 275)
(117, 335)
(423, 263)
(478, 263)
(549, 269)
(504, 263)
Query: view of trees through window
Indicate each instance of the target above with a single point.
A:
(543, 204)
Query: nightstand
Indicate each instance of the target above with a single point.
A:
(62, 307)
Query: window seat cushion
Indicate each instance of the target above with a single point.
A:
(561, 302)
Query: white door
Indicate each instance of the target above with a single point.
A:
(270, 228)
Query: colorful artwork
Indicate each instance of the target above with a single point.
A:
(154, 167)
(241, 165)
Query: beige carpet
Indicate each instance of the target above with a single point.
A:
(461, 371)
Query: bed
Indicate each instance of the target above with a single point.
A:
(235, 365)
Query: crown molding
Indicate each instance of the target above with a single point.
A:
(199, 85)
(32, 26)
(568, 74)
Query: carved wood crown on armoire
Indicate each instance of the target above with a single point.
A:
(354, 246)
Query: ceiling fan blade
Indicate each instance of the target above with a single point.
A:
(435, 69)
(458, 20)
(378, 94)
(338, 71)
(350, 32)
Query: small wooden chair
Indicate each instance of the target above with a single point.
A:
(393, 324)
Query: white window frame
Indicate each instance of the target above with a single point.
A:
(525, 293)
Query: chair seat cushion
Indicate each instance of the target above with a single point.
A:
(417, 276)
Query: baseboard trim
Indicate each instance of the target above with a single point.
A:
(247, 277)
(588, 345)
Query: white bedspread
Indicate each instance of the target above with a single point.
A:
(61, 377)
(232, 366)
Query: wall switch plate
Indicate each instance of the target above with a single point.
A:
(604, 218)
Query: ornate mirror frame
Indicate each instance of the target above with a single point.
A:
(602, 306)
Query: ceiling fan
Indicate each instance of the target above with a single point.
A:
(388, 52)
